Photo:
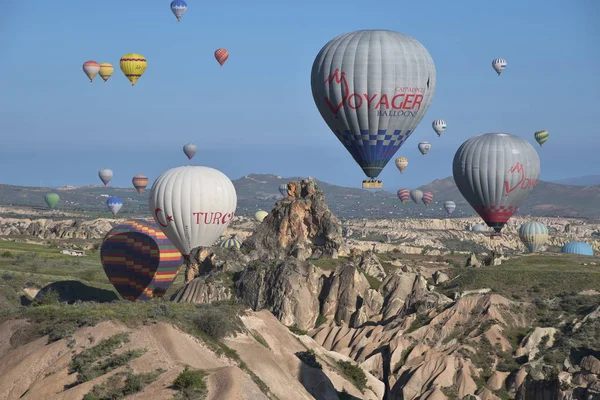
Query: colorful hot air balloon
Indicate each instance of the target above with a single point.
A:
(495, 172)
(541, 137)
(427, 198)
(260, 215)
(52, 199)
(401, 163)
(533, 235)
(449, 206)
(139, 260)
(416, 196)
(221, 55)
(193, 206)
(91, 69)
(190, 150)
(140, 182)
(403, 195)
(424, 147)
(370, 104)
(106, 70)
(439, 126)
(283, 189)
(499, 64)
(233, 241)
(114, 204)
(105, 175)
(178, 7)
(133, 66)
(580, 248)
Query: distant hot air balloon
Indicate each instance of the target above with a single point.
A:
(178, 7)
(449, 206)
(139, 260)
(495, 172)
(133, 66)
(427, 198)
(283, 189)
(140, 182)
(105, 175)
(580, 248)
(533, 235)
(370, 104)
(190, 150)
(424, 147)
(541, 137)
(439, 126)
(193, 206)
(221, 55)
(479, 228)
(91, 69)
(416, 196)
(106, 70)
(499, 64)
(114, 204)
(260, 215)
(401, 163)
(52, 199)
(233, 241)
(403, 195)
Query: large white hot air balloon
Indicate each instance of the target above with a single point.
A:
(193, 205)
(372, 88)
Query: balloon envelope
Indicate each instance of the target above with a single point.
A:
(403, 195)
(178, 8)
(495, 172)
(105, 175)
(140, 182)
(479, 228)
(424, 147)
(427, 198)
(439, 126)
(233, 241)
(577, 248)
(541, 137)
(372, 88)
(221, 55)
(190, 150)
(106, 70)
(499, 65)
(283, 189)
(416, 196)
(401, 163)
(139, 260)
(193, 205)
(114, 204)
(449, 206)
(133, 66)
(52, 199)
(533, 235)
(260, 215)
(91, 69)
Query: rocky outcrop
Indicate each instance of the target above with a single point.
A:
(59, 229)
(369, 263)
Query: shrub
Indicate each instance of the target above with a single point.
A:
(309, 358)
(190, 383)
(354, 373)
(217, 322)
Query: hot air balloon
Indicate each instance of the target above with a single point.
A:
(140, 182)
(106, 70)
(416, 196)
(178, 7)
(401, 163)
(479, 228)
(499, 64)
(114, 204)
(427, 198)
(190, 150)
(371, 104)
(533, 235)
(283, 189)
(403, 195)
(260, 215)
(439, 126)
(193, 205)
(449, 206)
(91, 69)
(139, 260)
(105, 175)
(233, 241)
(221, 55)
(424, 147)
(52, 199)
(495, 172)
(541, 137)
(580, 248)
(133, 66)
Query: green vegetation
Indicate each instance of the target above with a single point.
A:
(309, 358)
(294, 329)
(329, 264)
(374, 283)
(420, 320)
(354, 374)
(191, 384)
(260, 339)
(122, 384)
(320, 320)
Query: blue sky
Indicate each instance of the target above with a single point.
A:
(256, 114)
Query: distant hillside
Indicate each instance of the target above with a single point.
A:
(261, 192)
(588, 180)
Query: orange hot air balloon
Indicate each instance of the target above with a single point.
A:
(221, 55)
(140, 182)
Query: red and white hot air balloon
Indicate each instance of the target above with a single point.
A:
(221, 55)
(91, 69)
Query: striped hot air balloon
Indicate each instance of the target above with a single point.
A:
(403, 195)
(91, 69)
(233, 241)
(449, 206)
(401, 163)
(580, 248)
(140, 182)
(533, 235)
(283, 189)
(178, 8)
(133, 66)
(499, 65)
(541, 137)
(221, 55)
(139, 260)
(427, 198)
(439, 126)
(106, 70)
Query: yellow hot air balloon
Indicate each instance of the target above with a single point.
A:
(106, 70)
(133, 66)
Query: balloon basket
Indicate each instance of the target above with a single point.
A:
(372, 185)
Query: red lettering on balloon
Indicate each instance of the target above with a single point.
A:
(519, 169)
(356, 104)
(398, 96)
(212, 218)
